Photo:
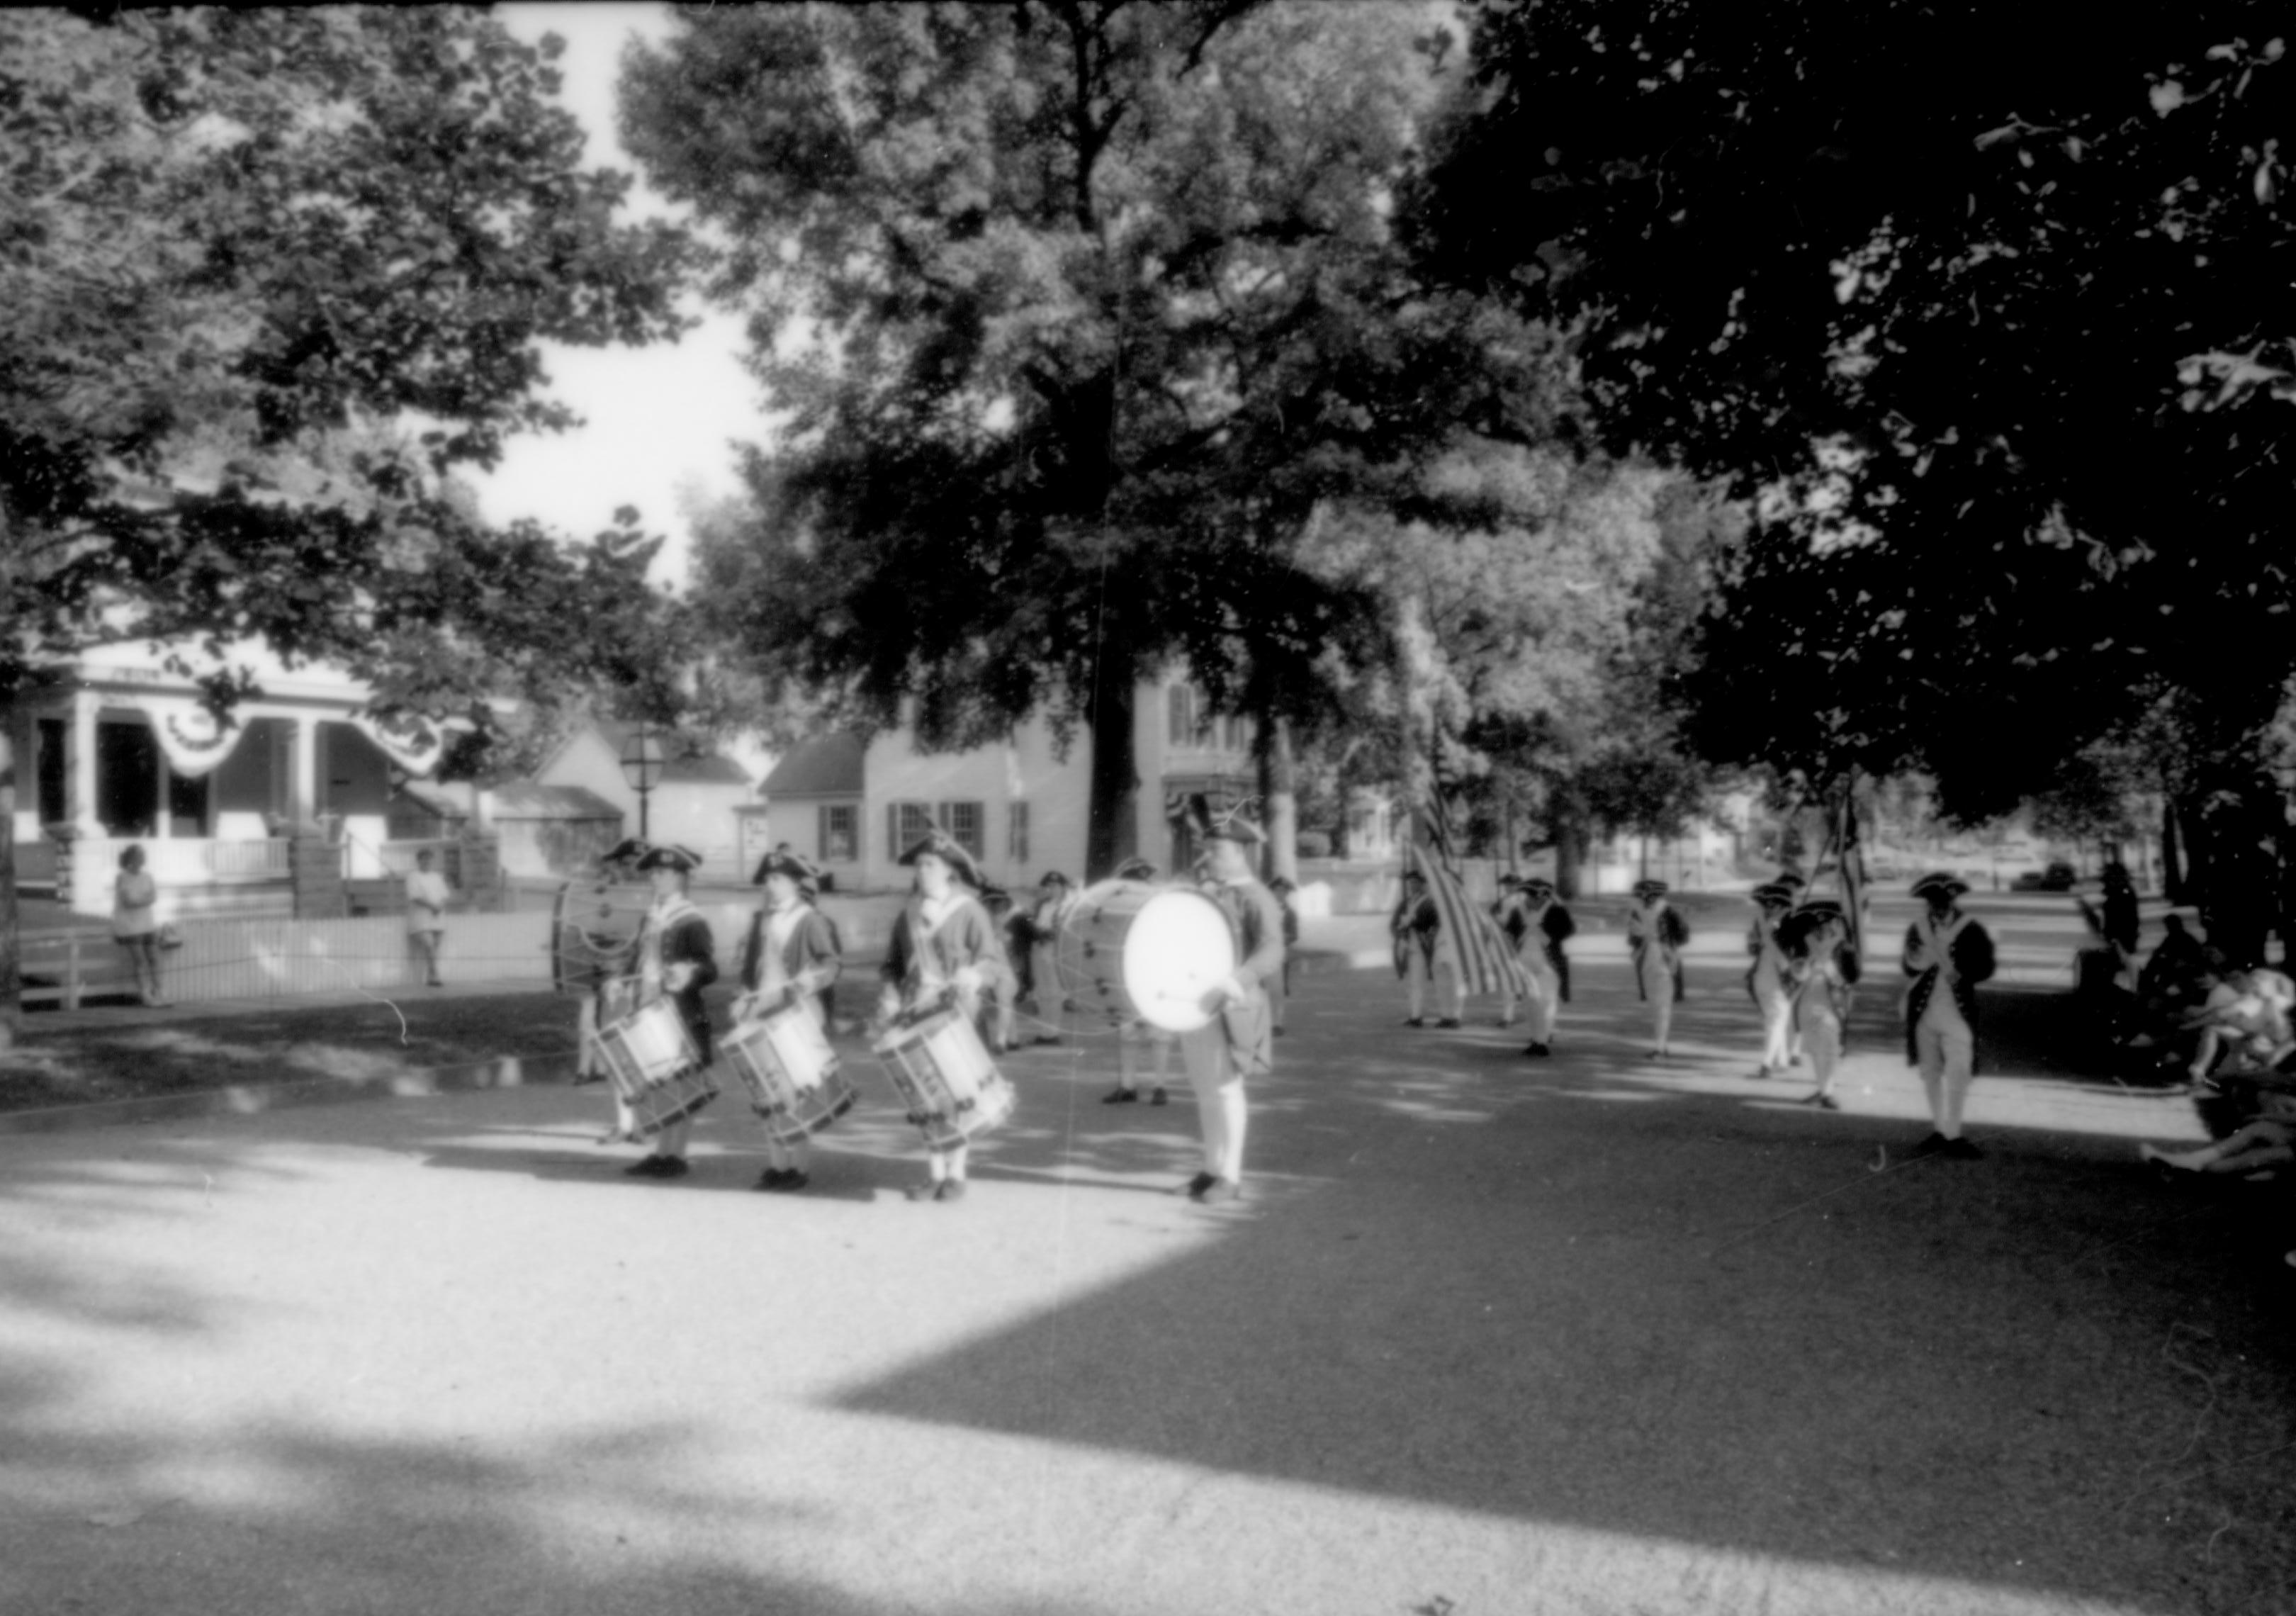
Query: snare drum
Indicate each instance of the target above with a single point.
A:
(654, 1068)
(1090, 947)
(791, 1073)
(942, 1071)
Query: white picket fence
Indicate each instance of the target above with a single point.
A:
(265, 958)
(281, 958)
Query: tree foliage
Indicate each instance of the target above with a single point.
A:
(266, 277)
(256, 239)
(1985, 310)
(1079, 312)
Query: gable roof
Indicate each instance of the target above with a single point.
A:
(687, 758)
(829, 765)
(523, 799)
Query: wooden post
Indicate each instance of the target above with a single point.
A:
(317, 867)
(71, 971)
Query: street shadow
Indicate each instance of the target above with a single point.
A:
(1588, 1314)
(1695, 1319)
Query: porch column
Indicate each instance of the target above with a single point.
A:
(80, 775)
(303, 793)
(163, 783)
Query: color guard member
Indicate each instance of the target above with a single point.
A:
(1946, 949)
(791, 957)
(1548, 926)
(1656, 935)
(945, 950)
(1766, 979)
(1821, 969)
(1420, 948)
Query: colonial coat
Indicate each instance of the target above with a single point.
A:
(1960, 940)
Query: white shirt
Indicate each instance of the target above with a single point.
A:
(426, 887)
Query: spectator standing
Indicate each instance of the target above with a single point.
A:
(427, 895)
(135, 922)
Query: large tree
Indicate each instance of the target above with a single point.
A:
(237, 249)
(1986, 308)
(1078, 311)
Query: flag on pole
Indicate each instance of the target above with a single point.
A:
(1487, 965)
(1850, 863)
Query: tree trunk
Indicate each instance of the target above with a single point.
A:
(1566, 828)
(12, 980)
(2172, 862)
(1113, 828)
(1279, 794)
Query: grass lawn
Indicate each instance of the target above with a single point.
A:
(117, 1055)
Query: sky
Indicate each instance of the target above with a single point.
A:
(657, 419)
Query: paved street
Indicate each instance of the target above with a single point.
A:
(1488, 1335)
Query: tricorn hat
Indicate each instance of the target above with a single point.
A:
(628, 851)
(667, 856)
(1650, 887)
(1942, 885)
(946, 848)
(795, 865)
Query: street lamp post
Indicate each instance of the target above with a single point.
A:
(642, 762)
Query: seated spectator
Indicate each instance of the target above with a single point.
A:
(2263, 1145)
(2172, 981)
(2245, 1021)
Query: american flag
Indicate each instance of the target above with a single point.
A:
(1849, 864)
(1487, 965)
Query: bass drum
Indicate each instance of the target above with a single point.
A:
(1090, 948)
(1178, 947)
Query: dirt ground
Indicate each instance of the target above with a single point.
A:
(1488, 1335)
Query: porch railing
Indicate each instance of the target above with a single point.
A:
(183, 861)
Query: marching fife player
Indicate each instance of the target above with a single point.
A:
(1821, 969)
(1547, 926)
(1239, 1042)
(790, 958)
(1055, 904)
(1656, 935)
(1766, 979)
(676, 958)
(1947, 953)
(1136, 1035)
(944, 948)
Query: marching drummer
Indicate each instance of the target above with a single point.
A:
(601, 956)
(790, 959)
(676, 958)
(945, 948)
(1238, 1043)
(1137, 1034)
